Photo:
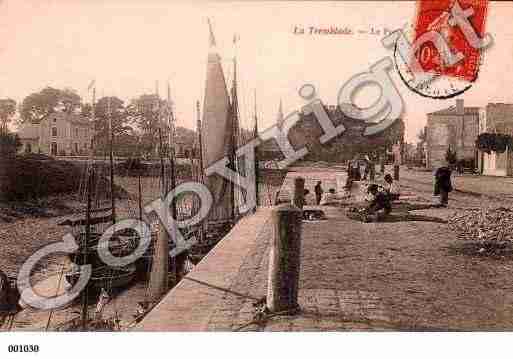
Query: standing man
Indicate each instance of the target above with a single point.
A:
(443, 184)
(365, 167)
(318, 192)
(355, 169)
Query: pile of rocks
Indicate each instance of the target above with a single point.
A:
(484, 224)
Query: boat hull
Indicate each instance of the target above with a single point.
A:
(106, 277)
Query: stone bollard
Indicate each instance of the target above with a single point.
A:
(396, 172)
(284, 259)
(299, 192)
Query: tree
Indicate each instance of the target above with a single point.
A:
(36, 106)
(7, 111)
(9, 144)
(86, 110)
(143, 112)
(422, 135)
(121, 129)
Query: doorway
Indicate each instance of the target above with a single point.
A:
(53, 149)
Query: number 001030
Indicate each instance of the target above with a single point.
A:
(25, 348)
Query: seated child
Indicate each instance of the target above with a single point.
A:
(329, 197)
(391, 188)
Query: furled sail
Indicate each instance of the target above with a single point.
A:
(217, 133)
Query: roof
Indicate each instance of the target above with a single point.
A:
(452, 111)
(71, 117)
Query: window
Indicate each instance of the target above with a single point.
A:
(54, 131)
(28, 148)
(76, 132)
(76, 148)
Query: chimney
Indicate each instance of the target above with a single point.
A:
(460, 110)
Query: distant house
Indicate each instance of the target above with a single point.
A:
(59, 134)
(496, 118)
(455, 128)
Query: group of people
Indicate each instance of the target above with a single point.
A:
(357, 166)
(382, 196)
(322, 198)
(390, 188)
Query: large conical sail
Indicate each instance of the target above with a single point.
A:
(217, 133)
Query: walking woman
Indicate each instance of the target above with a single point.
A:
(443, 184)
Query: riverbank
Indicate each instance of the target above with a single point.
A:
(22, 236)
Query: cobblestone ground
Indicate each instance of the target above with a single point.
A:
(382, 276)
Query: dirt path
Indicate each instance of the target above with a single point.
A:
(402, 275)
(411, 268)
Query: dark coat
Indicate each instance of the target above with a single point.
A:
(443, 180)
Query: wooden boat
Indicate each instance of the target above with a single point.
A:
(119, 246)
(106, 277)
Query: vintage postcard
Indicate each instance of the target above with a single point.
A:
(262, 166)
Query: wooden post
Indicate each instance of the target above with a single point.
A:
(299, 192)
(159, 267)
(284, 259)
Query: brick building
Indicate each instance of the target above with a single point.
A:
(455, 128)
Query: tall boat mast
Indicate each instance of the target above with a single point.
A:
(234, 132)
(85, 292)
(111, 160)
(171, 146)
(89, 182)
(200, 178)
(200, 142)
(257, 167)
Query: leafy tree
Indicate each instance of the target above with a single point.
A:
(422, 135)
(110, 108)
(7, 111)
(86, 110)
(143, 112)
(9, 144)
(39, 105)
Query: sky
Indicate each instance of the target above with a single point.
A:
(128, 45)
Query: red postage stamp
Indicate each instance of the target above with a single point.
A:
(435, 15)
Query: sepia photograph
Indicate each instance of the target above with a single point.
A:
(254, 166)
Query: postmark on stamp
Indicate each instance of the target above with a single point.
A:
(438, 16)
(440, 55)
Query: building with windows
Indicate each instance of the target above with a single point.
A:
(496, 118)
(59, 134)
(455, 128)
